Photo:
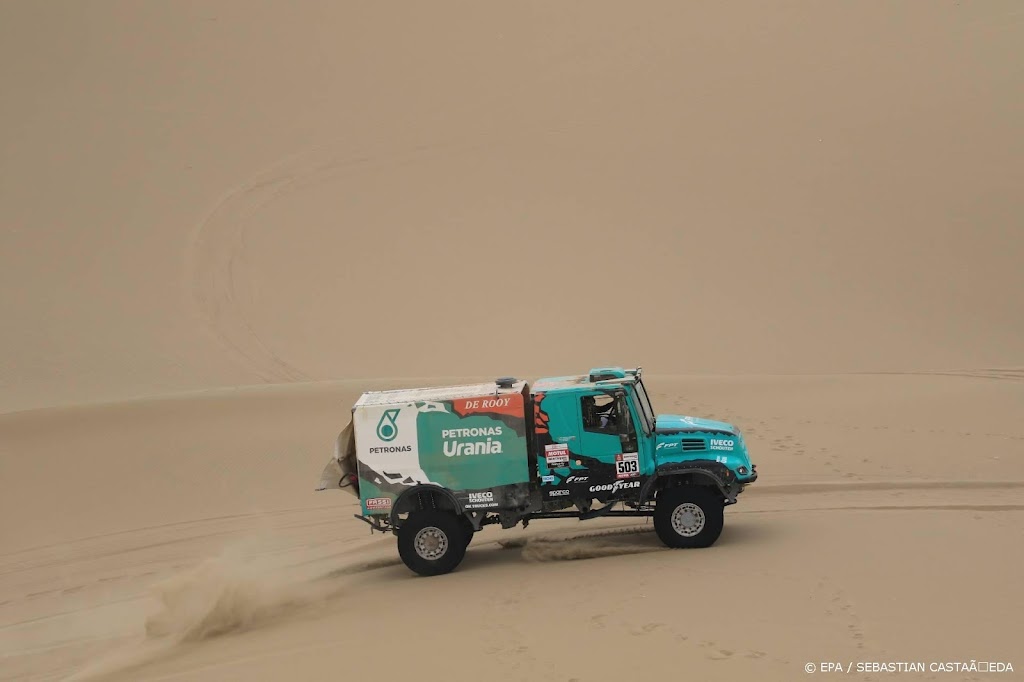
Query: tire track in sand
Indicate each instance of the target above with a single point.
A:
(220, 279)
(215, 263)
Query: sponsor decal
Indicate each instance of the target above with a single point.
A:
(481, 500)
(547, 479)
(556, 455)
(378, 503)
(667, 446)
(390, 448)
(558, 493)
(498, 404)
(387, 428)
(455, 446)
(627, 465)
(577, 479)
(614, 487)
(475, 432)
(721, 444)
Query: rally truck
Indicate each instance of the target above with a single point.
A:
(435, 465)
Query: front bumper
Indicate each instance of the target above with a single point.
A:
(749, 479)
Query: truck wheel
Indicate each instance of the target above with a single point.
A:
(467, 526)
(432, 542)
(689, 516)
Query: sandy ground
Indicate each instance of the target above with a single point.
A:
(221, 221)
(888, 526)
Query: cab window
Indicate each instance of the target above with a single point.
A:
(605, 414)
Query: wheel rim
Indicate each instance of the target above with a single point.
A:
(431, 543)
(688, 519)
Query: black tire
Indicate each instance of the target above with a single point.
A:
(443, 530)
(699, 522)
(467, 526)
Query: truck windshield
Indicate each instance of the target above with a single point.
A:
(645, 404)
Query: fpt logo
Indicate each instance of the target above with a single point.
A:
(387, 429)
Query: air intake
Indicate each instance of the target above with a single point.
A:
(505, 382)
(693, 444)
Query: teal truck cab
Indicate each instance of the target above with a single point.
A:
(435, 465)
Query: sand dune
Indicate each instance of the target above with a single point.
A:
(222, 221)
(211, 194)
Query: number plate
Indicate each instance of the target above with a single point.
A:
(627, 465)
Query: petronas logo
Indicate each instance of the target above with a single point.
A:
(387, 429)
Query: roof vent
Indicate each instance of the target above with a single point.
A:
(606, 373)
(505, 382)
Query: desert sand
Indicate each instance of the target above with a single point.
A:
(221, 221)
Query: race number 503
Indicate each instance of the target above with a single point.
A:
(627, 465)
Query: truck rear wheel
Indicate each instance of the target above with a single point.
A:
(432, 542)
(688, 516)
(467, 526)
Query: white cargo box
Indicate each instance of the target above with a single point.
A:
(464, 438)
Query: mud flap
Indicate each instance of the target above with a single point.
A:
(340, 472)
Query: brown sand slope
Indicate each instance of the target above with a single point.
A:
(217, 194)
(298, 197)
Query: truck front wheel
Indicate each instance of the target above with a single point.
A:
(688, 516)
(432, 542)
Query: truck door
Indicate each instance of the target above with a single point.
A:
(608, 439)
(559, 443)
